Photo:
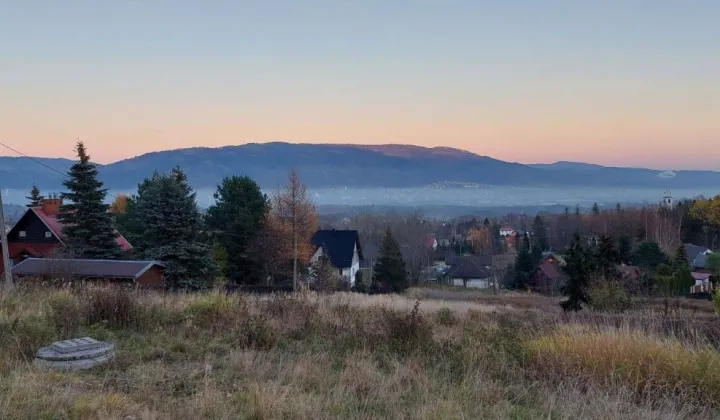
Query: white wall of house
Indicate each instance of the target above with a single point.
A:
(347, 273)
(474, 283)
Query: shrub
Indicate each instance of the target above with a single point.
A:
(114, 306)
(716, 300)
(609, 296)
(406, 333)
(66, 313)
(445, 316)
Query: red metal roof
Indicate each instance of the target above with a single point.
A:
(55, 227)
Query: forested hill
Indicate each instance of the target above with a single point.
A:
(351, 166)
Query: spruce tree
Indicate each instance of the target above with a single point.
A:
(577, 270)
(524, 265)
(35, 198)
(625, 249)
(390, 272)
(170, 224)
(540, 234)
(681, 259)
(237, 217)
(88, 226)
(595, 209)
(607, 257)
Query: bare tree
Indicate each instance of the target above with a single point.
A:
(294, 211)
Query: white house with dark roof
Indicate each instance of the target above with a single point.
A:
(342, 247)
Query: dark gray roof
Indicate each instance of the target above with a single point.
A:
(482, 260)
(693, 251)
(468, 267)
(83, 268)
(700, 261)
(339, 245)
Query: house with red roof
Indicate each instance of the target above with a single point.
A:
(38, 234)
(546, 279)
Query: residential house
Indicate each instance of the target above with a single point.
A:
(546, 279)
(702, 283)
(38, 233)
(343, 249)
(142, 273)
(430, 242)
(552, 258)
(470, 271)
(506, 231)
(697, 256)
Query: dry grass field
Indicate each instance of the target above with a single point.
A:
(430, 354)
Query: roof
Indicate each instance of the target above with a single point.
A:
(52, 222)
(700, 276)
(549, 270)
(560, 259)
(339, 245)
(429, 241)
(84, 268)
(468, 267)
(482, 260)
(506, 227)
(700, 261)
(693, 251)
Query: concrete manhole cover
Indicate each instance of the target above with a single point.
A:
(78, 353)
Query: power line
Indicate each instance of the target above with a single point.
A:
(32, 159)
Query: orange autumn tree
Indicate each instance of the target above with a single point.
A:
(480, 238)
(119, 205)
(294, 219)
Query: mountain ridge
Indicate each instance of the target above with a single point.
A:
(350, 165)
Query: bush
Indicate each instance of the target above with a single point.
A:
(407, 333)
(445, 316)
(609, 296)
(716, 300)
(114, 306)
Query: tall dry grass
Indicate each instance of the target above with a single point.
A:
(344, 355)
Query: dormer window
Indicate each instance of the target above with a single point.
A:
(22, 234)
(48, 234)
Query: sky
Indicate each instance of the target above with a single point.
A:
(615, 82)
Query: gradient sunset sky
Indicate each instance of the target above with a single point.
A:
(627, 83)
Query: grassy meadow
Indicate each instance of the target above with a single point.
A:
(430, 354)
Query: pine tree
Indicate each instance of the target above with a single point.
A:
(607, 257)
(88, 226)
(540, 234)
(390, 272)
(486, 222)
(524, 265)
(681, 259)
(169, 222)
(238, 216)
(578, 276)
(625, 249)
(595, 209)
(35, 198)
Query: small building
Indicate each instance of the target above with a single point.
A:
(552, 258)
(430, 242)
(702, 283)
(507, 231)
(343, 249)
(470, 271)
(38, 234)
(546, 279)
(144, 273)
(697, 256)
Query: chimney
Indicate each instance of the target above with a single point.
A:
(51, 205)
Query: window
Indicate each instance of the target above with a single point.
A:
(22, 234)
(48, 234)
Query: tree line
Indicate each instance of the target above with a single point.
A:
(245, 236)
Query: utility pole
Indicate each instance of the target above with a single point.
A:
(5, 251)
